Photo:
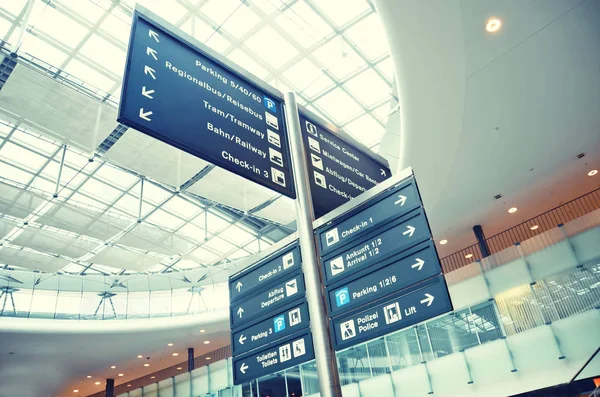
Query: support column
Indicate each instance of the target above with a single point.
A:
(110, 388)
(483, 247)
(327, 370)
(190, 359)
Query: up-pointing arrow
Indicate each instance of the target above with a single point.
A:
(242, 339)
(401, 200)
(428, 299)
(150, 71)
(419, 263)
(154, 35)
(145, 115)
(240, 312)
(410, 230)
(147, 93)
(238, 286)
(152, 52)
(243, 368)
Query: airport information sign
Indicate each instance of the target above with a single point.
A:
(178, 94)
(426, 301)
(382, 271)
(338, 171)
(277, 357)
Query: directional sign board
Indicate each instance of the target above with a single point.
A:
(277, 326)
(427, 300)
(410, 267)
(271, 269)
(400, 201)
(399, 236)
(277, 357)
(338, 170)
(264, 302)
(177, 93)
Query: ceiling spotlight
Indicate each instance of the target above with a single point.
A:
(512, 210)
(76, 391)
(89, 376)
(206, 342)
(202, 331)
(534, 227)
(113, 366)
(152, 377)
(128, 385)
(443, 242)
(175, 354)
(140, 356)
(208, 358)
(493, 25)
(179, 368)
(97, 383)
(169, 344)
(146, 365)
(120, 374)
(592, 172)
(469, 256)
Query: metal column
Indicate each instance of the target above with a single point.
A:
(110, 388)
(329, 380)
(190, 359)
(483, 247)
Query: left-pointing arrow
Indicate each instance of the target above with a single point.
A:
(243, 368)
(150, 71)
(147, 93)
(428, 299)
(240, 312)
(242, 339)
(152, 52)
(145, 115)
(154, 35)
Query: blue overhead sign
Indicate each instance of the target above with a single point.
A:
(338, 171)
(420, 303)
(410, 267)
(277, 326)
(399, 201)
(181, 95)
(277, 357)
(377, 246)
(269, 299)
(271, 269)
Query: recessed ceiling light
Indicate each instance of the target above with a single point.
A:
(76, 391)
(592, 172)
(140, 356)
(179, 368)
(89, 376)
(146, 365)
(202, 331)
(128, 385)
(208, 358)
(113, 366)
(97, 383)
(206, 342)
(152, 377)
(534, 227)
(493, 25)
(120, 374)
(469, 256)
(443, 242)
(512, 210)
(169, 344)
(175, 354)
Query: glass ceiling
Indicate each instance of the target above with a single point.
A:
(332, 53)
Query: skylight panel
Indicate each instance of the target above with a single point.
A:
(271, 47)
(237, 235)
(239, 254)
(339, 58)
(60, 27)
(14, 6)
(43, 184)
(382, 112)
(35, 141)
(14, 174)
(366, 130)
(244, 61)
(240, 22)
(154, 194)
(169, 10)
(105, 54)
(306, 26)
(82, 199)
(197, 234)
(215, 223)
(42, 50)
(387, 68)
(318, 86)
(197, 29)
(219, 10)
(23, 157)
(89, 76)
(340, 12)
(116, 27)
(165, 220)
(116, 176)
(302, 74)
(186, 264)
(87, 10)
(72, 268)
(217, 42)
(5, 26)
(219, 245)
(368, 87)
(99, 190)
(204, 256)
(182, 207)
(338, 105)
(130, 205)
(369, 36)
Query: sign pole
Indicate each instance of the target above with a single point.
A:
(324, 354)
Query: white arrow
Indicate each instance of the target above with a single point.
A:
(383, 172)
(240, 312)
(144, 115)
(152, 52)
(238, 286)
(147, 93)
(243, 368)
(154, 35)
(428, 300)
(420, 262)
(401, 201)
(410, 230)
(242, 339)
(150, 71)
